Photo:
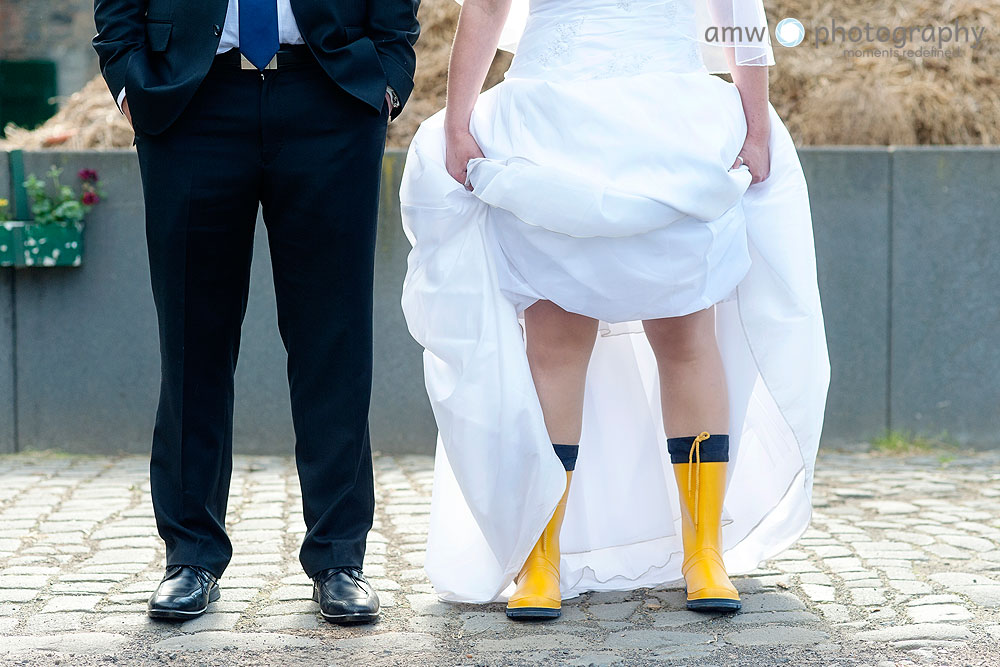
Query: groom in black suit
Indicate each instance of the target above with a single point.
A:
(236, 104)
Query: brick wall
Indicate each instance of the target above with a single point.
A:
(57, 30)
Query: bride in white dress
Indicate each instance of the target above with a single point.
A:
(613, 257)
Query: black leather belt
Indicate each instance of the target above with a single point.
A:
(298, 54)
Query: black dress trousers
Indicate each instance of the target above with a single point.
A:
(311, 155)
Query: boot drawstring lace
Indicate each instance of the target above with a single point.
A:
(694, 467)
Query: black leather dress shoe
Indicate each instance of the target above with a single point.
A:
(345, 596)
(183, 594)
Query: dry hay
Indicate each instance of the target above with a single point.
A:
(824, 96)
(827, 98)
(88, 119)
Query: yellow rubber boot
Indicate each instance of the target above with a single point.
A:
(702, 487)
(536, 595)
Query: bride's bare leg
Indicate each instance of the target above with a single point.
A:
(695, 407)
(692, 381)
(559, 348)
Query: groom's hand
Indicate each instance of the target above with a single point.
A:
(125, 110)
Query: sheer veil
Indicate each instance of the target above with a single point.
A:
(721, 24)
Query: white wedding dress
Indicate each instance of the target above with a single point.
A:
(607, 189)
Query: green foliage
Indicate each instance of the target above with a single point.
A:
(58, 204)
(897, 442)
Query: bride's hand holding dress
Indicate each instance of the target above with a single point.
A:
(460, 147)
(471, 56)
(752, 82)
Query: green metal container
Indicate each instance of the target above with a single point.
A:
(27, 244)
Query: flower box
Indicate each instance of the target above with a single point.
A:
(24, 244)
(48, 217)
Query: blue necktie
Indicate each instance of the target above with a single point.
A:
(259, 31)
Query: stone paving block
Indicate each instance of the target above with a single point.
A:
(898, 573)
(777, 635)
(64, 621)
(947, 551)
(125, 623)
(23, 581)
(71, 603)
(771, 617)
(835, 613)
(891, 507)
(212, 620)
(612, 626)
(223, 641)
(295, 593)
(528, 643)
(818, 578)
(934, 599)
(674, 619)
(478, 623)
(72, 643)
(987, 597)
(614, 611)
(969, 542)
(938, 613)
(818, 593)
(863, 583)
(797, 566)
(427, 603)
(291, 622)
(771, 602)
(603, 659)
(911, 587)
(844, 564)
(81, 587)
(17, 595)
(294, 607)
(962, 579)
(428, 624)
(915, 631)
(650, 639)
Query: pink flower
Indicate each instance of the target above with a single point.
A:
(88, 175)
(90, 198)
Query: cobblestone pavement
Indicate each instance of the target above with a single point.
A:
(901, 567)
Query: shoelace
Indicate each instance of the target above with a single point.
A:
(694, 457)
(354, 573)
(204, 576)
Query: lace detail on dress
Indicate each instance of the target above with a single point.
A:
(565, 34)
(624, 63)
(625, 5)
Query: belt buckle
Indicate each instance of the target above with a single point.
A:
(246, 64)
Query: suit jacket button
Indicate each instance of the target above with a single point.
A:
(217, 30)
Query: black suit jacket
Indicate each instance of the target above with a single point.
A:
(161, 50)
